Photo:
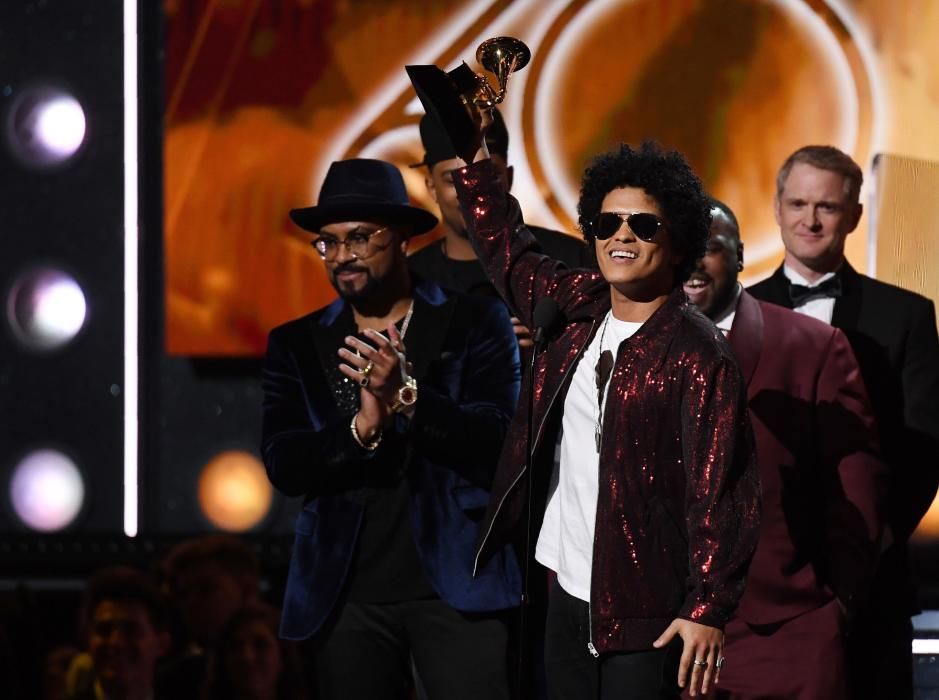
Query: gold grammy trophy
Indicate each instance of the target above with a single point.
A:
(457, 98)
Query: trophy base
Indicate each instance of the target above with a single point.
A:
(440, 93)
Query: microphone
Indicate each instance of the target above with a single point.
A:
(546, 316)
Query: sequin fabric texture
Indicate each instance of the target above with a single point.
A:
(678, 508)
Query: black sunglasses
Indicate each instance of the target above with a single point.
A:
(643, 224)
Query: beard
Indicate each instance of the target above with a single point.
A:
(355, 292)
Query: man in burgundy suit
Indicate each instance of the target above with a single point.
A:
(822, 481)
(893, 334)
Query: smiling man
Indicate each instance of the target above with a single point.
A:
(822, 480)
(125, 619)
(893, 334)
(385, 411)
(651, 512)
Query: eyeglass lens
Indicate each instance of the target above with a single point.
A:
(355, 243)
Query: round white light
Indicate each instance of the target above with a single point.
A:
(46, 308)
(47, 490)
(46, 126)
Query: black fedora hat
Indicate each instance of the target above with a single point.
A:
(362, 189)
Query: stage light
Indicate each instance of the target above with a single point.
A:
(46, 308)
(234, 492)
(45, 126)
(47, 490)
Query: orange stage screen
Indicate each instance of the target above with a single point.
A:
(262, 95)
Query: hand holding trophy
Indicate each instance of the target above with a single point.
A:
(462, 100)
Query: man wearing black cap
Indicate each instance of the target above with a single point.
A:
(451, 262)
(386, 411)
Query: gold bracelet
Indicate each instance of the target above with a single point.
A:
(370, 446)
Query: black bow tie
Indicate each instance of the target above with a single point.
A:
(829, 289)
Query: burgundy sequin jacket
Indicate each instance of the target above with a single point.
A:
(679, 497)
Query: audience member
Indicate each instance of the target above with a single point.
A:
(250, 662)
(125, 620)
(208, 579)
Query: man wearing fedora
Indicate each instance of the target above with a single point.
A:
(386, 410)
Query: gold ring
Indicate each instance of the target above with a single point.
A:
(700, 663)
(368, 368)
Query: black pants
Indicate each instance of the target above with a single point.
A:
(573, 674)
(366, 651)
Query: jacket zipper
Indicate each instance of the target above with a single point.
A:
(590, 647)
(531, 447)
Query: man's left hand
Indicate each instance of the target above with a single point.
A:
(702, 653)
(386, 363)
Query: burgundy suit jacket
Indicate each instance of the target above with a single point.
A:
(822, 478)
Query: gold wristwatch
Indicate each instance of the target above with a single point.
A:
(407, 395)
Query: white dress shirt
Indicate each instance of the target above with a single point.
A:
(821, 308)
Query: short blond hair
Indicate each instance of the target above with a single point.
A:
(824, 158)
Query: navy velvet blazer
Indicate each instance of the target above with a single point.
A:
(466, 362)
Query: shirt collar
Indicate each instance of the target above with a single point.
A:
(796, 278)
(726, 319)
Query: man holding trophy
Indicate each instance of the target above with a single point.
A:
(643, 476)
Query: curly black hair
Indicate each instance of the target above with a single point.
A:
(668, 179)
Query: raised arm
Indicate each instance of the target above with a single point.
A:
(509, 252)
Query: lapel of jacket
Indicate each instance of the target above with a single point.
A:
(657, 333)
(746, 335)
(848, 305)
(777, 288)
(428, 328)
(326, 334)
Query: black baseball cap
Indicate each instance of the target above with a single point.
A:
(437, 146)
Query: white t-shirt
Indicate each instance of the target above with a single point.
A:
(565, 543)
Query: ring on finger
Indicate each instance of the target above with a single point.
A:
(367, 369)
(720, 662)
(700, 663)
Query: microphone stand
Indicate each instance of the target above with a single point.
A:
(523, 655)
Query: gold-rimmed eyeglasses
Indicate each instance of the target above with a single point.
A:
(358, 243)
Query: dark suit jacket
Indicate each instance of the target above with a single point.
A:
(893, 334)
(823, 483)
(466, 362)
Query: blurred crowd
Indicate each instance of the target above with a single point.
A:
(195, 626)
